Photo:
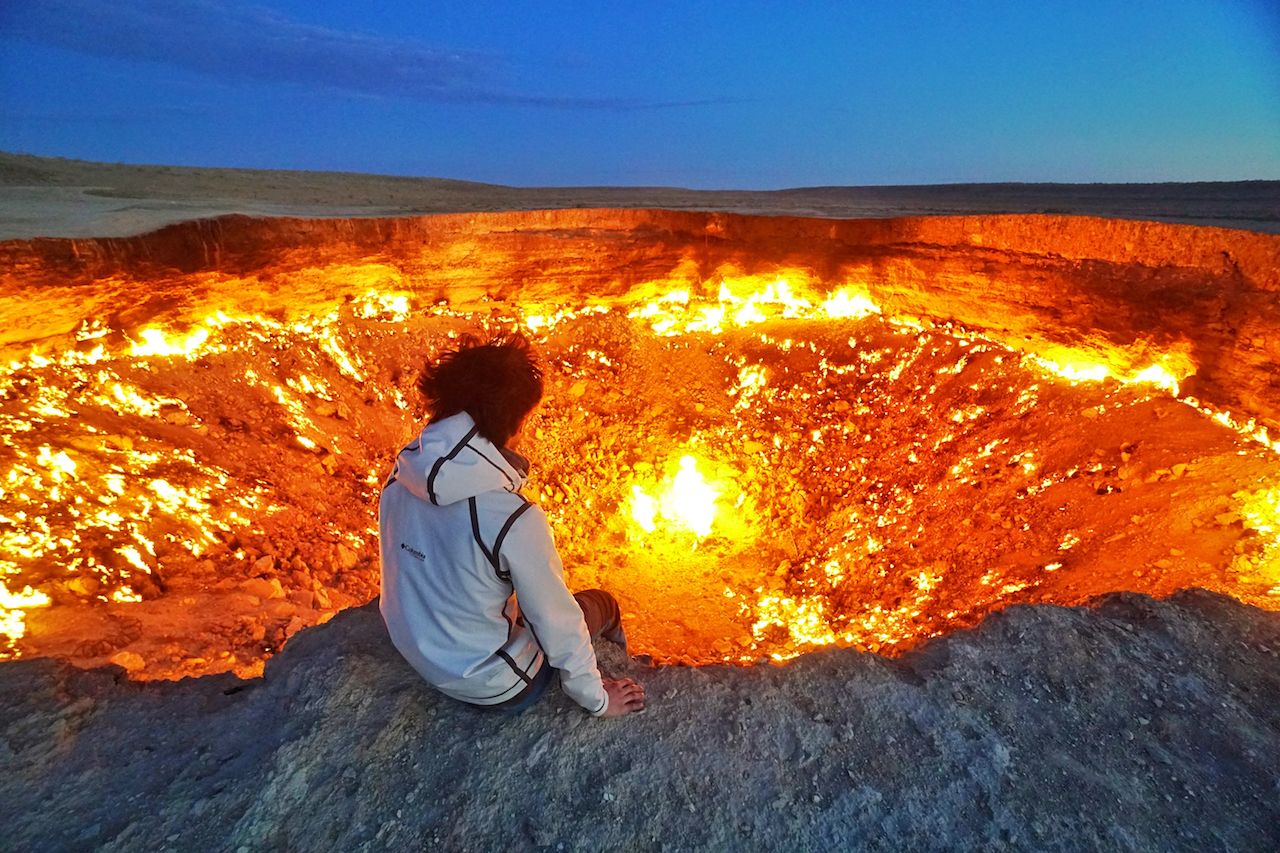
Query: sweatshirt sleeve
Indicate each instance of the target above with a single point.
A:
(537, 574)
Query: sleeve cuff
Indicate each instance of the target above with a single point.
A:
(604, 706)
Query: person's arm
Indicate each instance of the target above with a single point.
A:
(529, 554)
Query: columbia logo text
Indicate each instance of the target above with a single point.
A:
(414, 551)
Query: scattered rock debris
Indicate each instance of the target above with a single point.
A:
(1134, 724)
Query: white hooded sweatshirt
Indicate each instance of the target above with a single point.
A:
(460, 545)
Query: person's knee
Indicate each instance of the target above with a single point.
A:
(600, 609)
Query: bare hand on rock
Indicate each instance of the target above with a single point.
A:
(626, 696)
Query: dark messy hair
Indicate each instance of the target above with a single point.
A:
(497, 382)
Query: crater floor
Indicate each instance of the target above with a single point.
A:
(188, 499)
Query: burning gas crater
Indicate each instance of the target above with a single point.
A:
(757, 465)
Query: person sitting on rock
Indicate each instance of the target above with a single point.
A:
(473, 591)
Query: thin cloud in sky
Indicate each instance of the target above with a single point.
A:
(228, 40)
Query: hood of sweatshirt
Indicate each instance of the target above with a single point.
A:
(450, 461)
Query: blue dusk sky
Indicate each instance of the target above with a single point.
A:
(694, 94)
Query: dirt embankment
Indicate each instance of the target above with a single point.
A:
(1135, 725)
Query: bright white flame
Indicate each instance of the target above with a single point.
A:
(60, 465)
(387, 306)
(691, 500)
(23, 600)
(13, 624)
(1172, 368)
(644, 509)
(687, 502)
(155, 342)
(849, 304)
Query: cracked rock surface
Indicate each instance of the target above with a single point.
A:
(1132, 724)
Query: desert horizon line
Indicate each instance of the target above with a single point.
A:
(782, 189)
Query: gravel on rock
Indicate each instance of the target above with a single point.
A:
(1132, 724)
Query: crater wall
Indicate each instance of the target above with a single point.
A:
(1032, 281)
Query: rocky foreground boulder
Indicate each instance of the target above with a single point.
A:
(1133, 724)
